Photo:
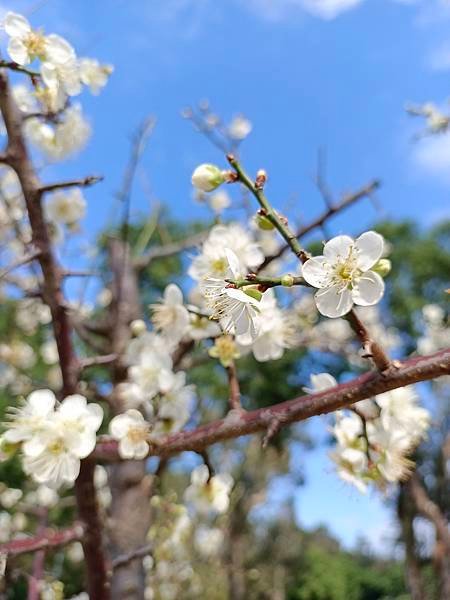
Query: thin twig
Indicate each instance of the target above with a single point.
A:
(124, 559)
(49, 538)
(83, 182)
(92, 361)
(20, 263)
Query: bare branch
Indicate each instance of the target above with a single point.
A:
(84, 182)
(124, 559)
(236, 424)
(93, 361)
(49, 538)
(235, 392)
(429, 509)
(140, 262)
(19, 263)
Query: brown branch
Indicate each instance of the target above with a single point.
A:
(124, 559)
(371, 348)
(19, 68)
(419, 368)
(19, 263)
(49, 538)
(140, 262)
(235, 392)
(345, 203)
(84, 182)
(19, 160)
(429, 509)
(92, 361)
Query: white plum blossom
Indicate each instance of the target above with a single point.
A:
(152, 372)
(239, 128)
(26, 44)
(209, 494)
(54, 438)
(66, 207)
(219, 201)
(212, 261)
(436, 334)
(208, 540)
(343, 274)
(93, 74)
(236, 309)
(320, 382)
(376, 450)
(131, 430)
(171, 317)
(274, 331)
(66, 137)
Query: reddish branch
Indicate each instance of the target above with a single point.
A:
(49, 538)
(236, 424)
(17, 157)
(235, 392)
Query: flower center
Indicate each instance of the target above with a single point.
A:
(220, 265)
(137, 434)
(35, 44)
(56, 447)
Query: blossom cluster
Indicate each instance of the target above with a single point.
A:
(61, 76)
(375, 440)
(52, 436)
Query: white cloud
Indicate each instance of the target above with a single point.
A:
(432, 156)
(279, 9)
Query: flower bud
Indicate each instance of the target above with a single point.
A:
(383, 267)
(253, 293)
(287, 281)
(207, 177)
(138, 327)
(263, 223)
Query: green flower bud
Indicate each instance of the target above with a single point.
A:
(383, 267)
(207, 177)
(253, 293)
(287, 281)
(264, 223)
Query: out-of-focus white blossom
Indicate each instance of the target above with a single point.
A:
(239, 128)
(320, 382)
(219, 201)
(209, 494)
(93, 74)
(225, 349)
(171, 317)
(54, 440)
(63, 139)
(213, 262)
(208, 540)
(131, 430)
(436, 334)
(66, 207)
(376, 450)
(343, 274)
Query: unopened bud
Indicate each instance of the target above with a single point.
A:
(207, 177)
(287, 281)
(383, 267)
(138, 327)
(263, 223)
(261, 178)
(253, 293)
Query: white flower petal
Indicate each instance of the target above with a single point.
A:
(42, 402)
(369, 290)
(16, 25)
(18, 51)
(369, 246)
(233, 262)
(119, 426)
(173, 295)
(334, 301)
(315, 272)
(200, 475)
(59, 50)
(338, 248)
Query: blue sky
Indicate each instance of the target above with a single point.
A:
(308, 73)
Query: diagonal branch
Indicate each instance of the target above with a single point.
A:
(49, 538)
(59, 185)
(237, 424)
